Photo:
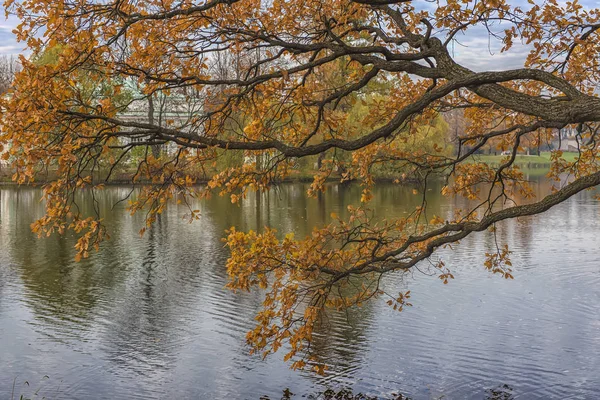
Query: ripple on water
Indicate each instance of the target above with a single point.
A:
(150, 318)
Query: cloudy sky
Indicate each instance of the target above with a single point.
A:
(8, 44)
(475, 51)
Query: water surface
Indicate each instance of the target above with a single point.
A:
(149, 317)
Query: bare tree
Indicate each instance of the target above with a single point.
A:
(9, 66)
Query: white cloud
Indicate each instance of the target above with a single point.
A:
(8, 41)
(481, 53)
(6, 50)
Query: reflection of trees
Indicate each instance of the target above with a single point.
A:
(340, 337)
(145, 298)
(173, 293)
(140, 330)
(58, 290)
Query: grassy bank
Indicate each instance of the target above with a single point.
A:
(542, 159)
(532, 164)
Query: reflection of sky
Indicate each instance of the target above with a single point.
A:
(475, 50)
(150, 318)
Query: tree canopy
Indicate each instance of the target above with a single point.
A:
(359, 85)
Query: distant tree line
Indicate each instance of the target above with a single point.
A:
(9, 66)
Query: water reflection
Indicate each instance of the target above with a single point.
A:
(149, 317)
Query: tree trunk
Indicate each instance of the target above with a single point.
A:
(155, 148)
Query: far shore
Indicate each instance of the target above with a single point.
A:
(536, 165)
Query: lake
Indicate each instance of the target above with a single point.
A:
(149, 317)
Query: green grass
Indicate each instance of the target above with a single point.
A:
(543, 158)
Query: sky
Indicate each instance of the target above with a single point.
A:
(475, 51)
(8, 42)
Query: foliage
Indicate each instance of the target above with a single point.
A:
(356, 85)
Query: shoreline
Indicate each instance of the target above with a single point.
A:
(541, 166)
